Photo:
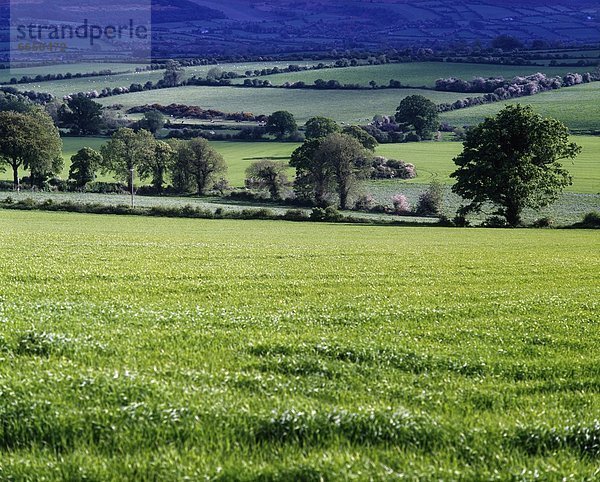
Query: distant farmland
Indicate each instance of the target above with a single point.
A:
(416, 74)
(578, 107)
(342, 105)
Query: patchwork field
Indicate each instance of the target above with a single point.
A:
(60, 88)
(415, 74)
(432, 159)
(576, 106)
(161, 349)
(341, 105)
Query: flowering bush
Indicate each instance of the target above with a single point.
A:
(401, 204)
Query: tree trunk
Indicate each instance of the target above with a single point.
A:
(16, 177)
(343, 198)
(513, 215)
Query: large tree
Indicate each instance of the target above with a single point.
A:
(281, 124)
(312, 175)
(512, 162)
(362, 136)
(197, 163)
(82, 116)
(153, 121)
(127, 152)
(84, 165)
(157, 166)
(30, 141)
(346, 161)
(316, 127)
(419, 113)
(270, 175)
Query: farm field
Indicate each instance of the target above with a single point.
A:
(74, 68)
(60, 88)
(576, 106)
(416, 74)
(341, 105)
(159, 349)
(432, 159)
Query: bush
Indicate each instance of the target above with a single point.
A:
(591, 220)
(329, 214)
(295, 215)
(401, 205)
(543, 223)
(412, 137)
(495, 222)
(364, 203)
(431, 201)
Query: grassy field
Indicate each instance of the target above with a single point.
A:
(60, 88)
(432, 159)
(415, 74)
(576, 106)
(155, 349)
(77, 68)
(344, 106)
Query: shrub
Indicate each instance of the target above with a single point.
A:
(329, 214)
(295, 215)
(495, 222)
(401, 204)
(365, 202)
(592, 220)
(545, 222)
(431, 201)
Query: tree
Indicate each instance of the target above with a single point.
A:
(153, 121)
(127, 152)
(14, 102)
(84, 165)
(82, 115)
(31, 141)
(312, 176)
(197, 163)
(281, 123)
(320, 127)
(173, 75)
(157, 165)
(346, 161)
(507, 42)
(511, 161)
(270, 175)
(420, 113)
(362, 136)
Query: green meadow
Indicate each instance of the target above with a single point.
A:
(159, 349)
(416, 74)
(342, 105)
(576, 106)
(432, 159)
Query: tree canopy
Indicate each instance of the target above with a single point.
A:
(31, 141)
(82, 116)
(512, 162)
(320, 127)
(281, 124)
(419, 113)
(196, 164)
(128, 151)
(84, 165)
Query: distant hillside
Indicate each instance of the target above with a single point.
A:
(270, 26)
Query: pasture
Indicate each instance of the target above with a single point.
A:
(60, 88)
(576, 106)
(156, 349)
(432, 159)
(342, 105)
(415, 74)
